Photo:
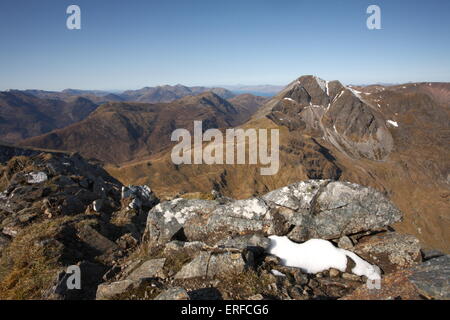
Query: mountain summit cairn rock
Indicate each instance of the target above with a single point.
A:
(303, 210)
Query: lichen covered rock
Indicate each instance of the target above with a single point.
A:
(303, 210)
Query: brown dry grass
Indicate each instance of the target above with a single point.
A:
(242, 285)
(27, 268)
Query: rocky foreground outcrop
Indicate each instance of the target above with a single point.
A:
(59, 210)
(218, 249)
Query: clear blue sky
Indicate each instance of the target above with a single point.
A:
(131, 44)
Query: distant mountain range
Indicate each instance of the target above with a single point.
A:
(164, 93)
(95, 96)
(24, 115)
(29, 113)
(170, 93)
(122, 131)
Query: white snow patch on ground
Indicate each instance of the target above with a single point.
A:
(395, 124)
(277, 273)
(289, 99)
(37, 177)
(338, 96)
(317, 255)
(355, 92)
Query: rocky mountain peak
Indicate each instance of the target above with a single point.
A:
(211, 100)
(309, 90)
(339, 114)
(312, 90)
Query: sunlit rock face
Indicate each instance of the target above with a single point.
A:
(339, 114)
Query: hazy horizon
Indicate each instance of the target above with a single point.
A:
(233, 87)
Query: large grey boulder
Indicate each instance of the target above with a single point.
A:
(166, 219)
(95, 240)
(107, 291)
(227, 262)
(429, 280)
(428, 254)
(176, 293)
(340, 208)
(298, 197)
(248, 241)
(197, 268)
(235, 218)
(390, 251)
(304, 210)
(208, 265)
(432, 278)
(149, 269)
